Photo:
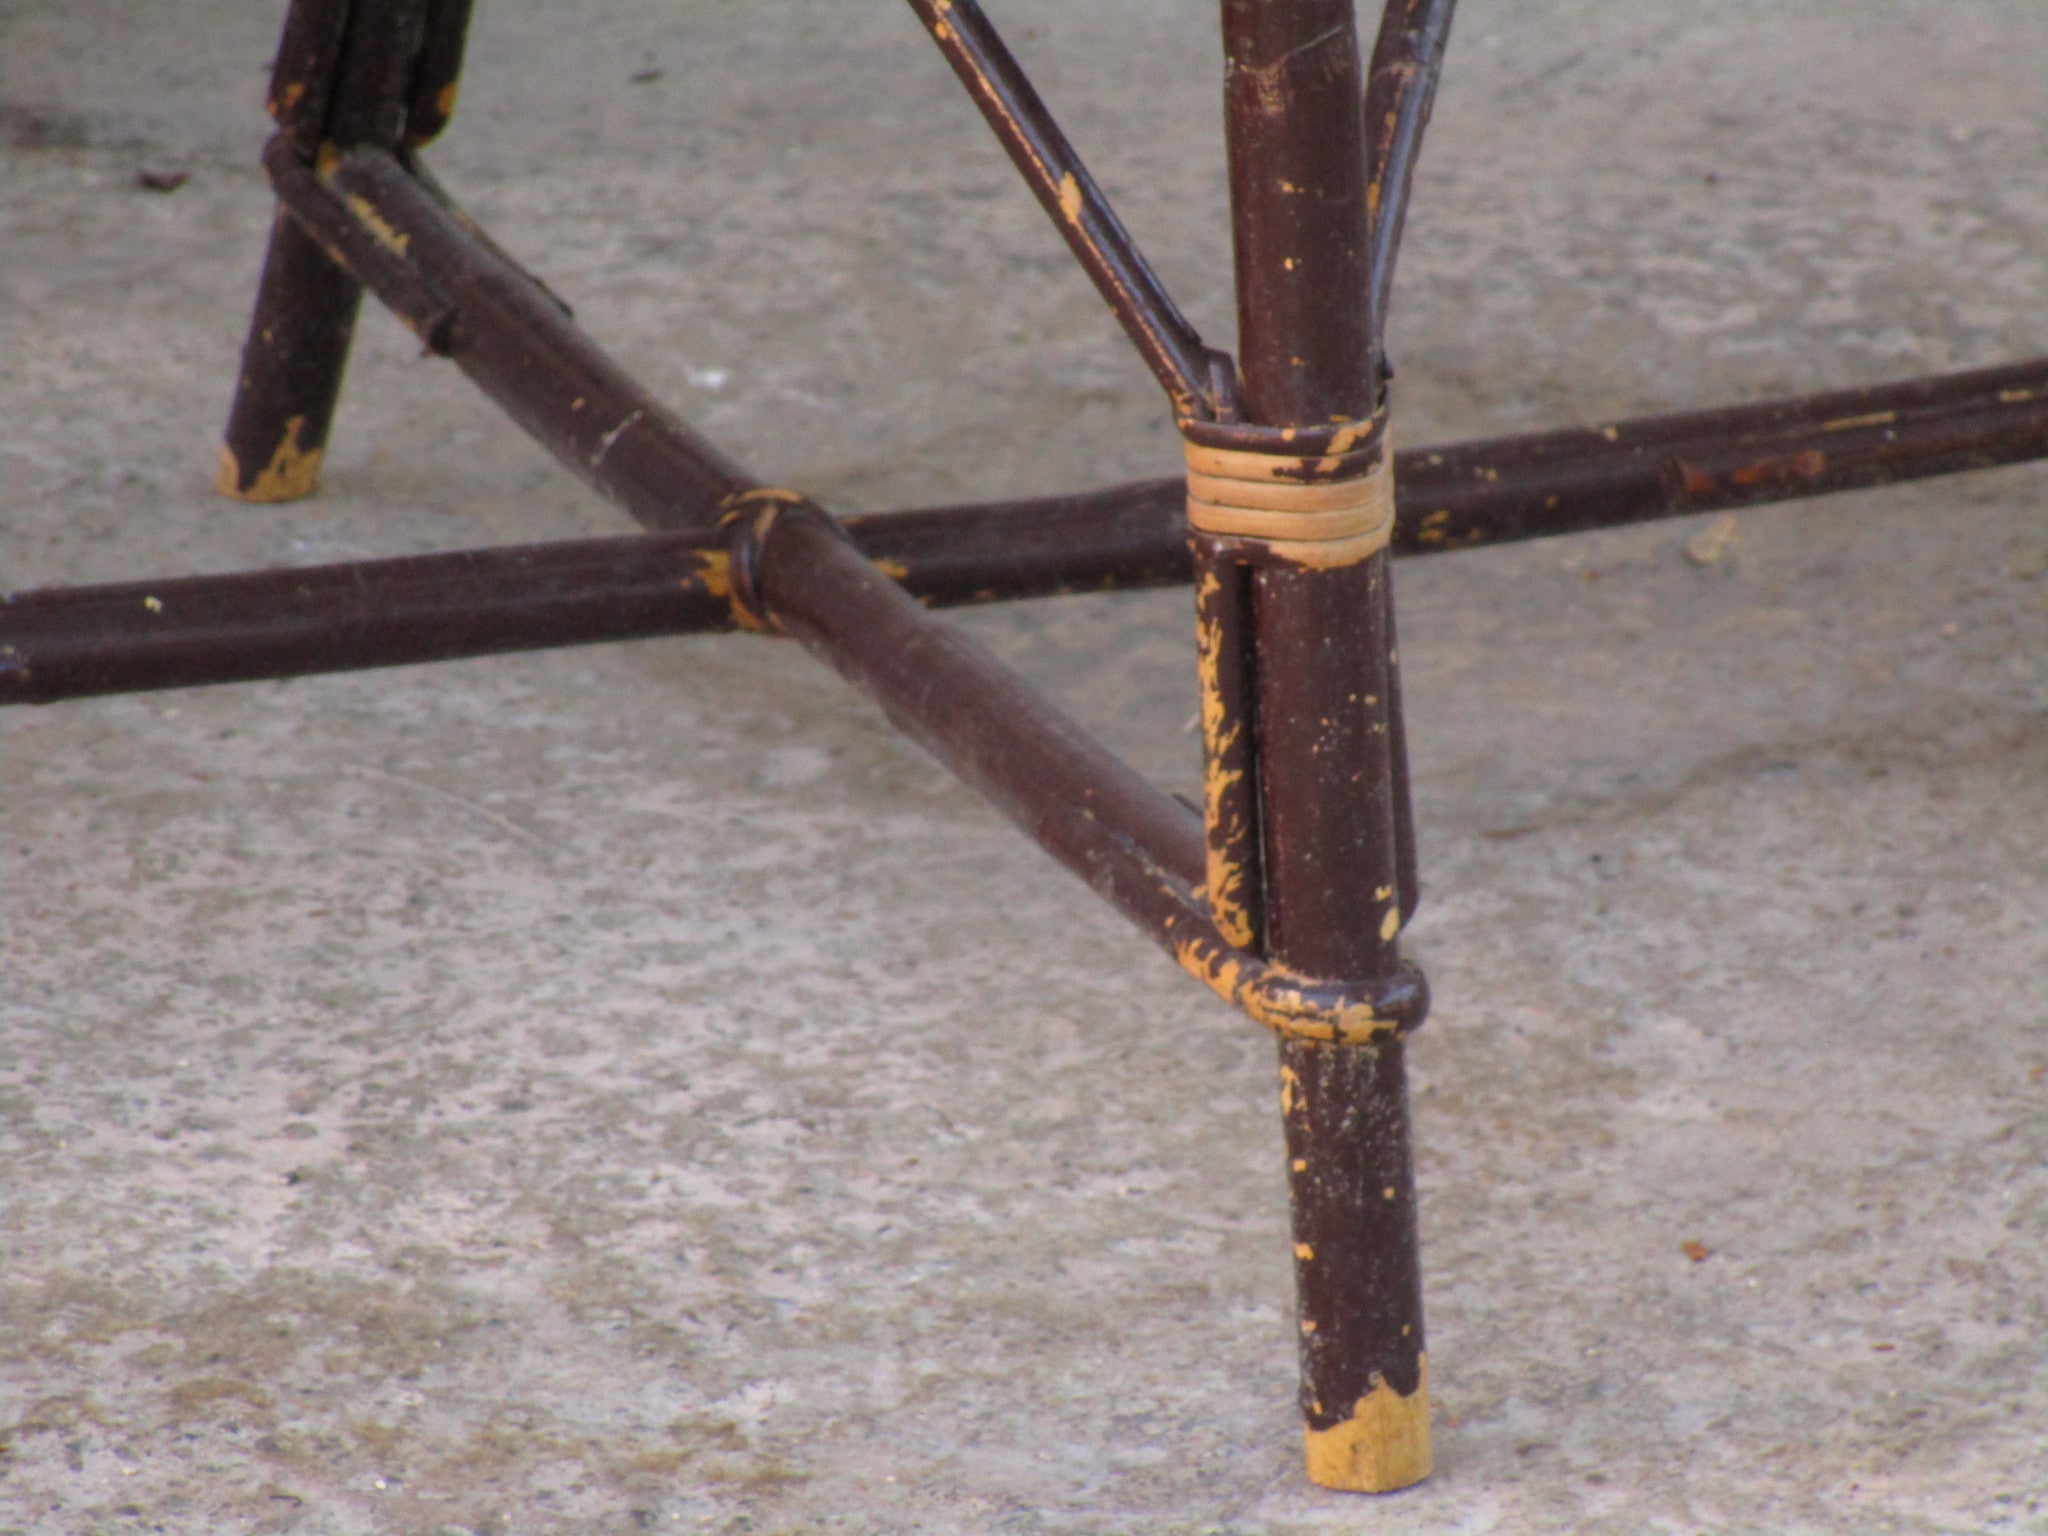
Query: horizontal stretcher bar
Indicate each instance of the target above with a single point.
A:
(63, 643)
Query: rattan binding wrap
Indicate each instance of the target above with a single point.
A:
(1317, 509)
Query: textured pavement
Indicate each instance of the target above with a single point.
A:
(631, 1089)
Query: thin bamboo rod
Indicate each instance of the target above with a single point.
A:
(1075, 203)
(1069, 792)
(129, 637)
(1502, 489)
(1400, 90)
(62, 643)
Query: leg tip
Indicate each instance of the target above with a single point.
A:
(1383, 1446)
(292, 473)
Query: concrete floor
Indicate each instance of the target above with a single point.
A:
(591, 1092)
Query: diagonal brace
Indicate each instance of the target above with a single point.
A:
(1199, 381)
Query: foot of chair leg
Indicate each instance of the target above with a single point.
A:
(1364, 1372)
(291, 371)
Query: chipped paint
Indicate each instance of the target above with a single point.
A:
(610, 440)
(1070, 198)
(1229, 837)
(1384, 1445)
(1347, 436)
(393, 240)
(293, 471)
(1278, 998)
(1807, 465)
(713, 576)
(1322, 554)
(1850, 423)
(745, 518)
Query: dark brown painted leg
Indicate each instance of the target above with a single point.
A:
(346, 71)
(1327, 770)
(1352, 1184)
(291, 371)
(1400, 90)
(305, 305)
(1325, 740)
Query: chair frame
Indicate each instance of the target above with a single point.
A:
(1288, 892)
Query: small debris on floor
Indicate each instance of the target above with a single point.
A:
(1713, 545)
(161, 181)
(1696, 1250)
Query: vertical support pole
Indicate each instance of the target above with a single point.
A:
(1400, 90)
(1325, 737)
(291, 371)
(345, 73)
(305, 305)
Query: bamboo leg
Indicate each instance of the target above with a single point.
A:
(305, 305)
(1345, 1110)
(1324, 736)
(291, 371)
(346, 72)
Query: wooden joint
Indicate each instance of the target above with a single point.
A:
(1302, 1007)
(744, 522)
(1321, 502)
(358, 238)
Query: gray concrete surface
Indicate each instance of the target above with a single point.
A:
(592, 1092)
